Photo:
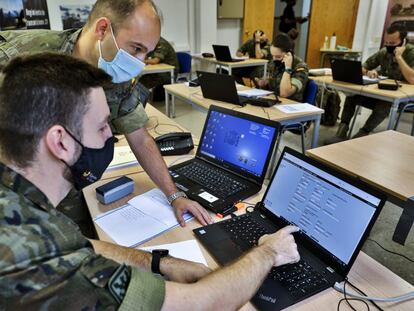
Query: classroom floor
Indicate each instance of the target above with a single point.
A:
(193, 120)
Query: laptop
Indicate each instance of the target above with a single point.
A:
(223, 88)
(231, 160)
(222, 53)
(350, 71)
(334, 213)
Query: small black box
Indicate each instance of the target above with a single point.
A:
(388, 86)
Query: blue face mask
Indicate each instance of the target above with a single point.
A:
(123, 67)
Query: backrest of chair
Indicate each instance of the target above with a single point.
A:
(184, 59)
(310, 92)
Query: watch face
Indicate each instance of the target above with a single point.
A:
(161, 252)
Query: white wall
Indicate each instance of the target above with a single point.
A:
(369, 26)
(229, 32)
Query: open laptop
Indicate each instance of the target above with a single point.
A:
(223, 88)
(334, 213)
(350, 71)
(222, 53)
(231, 160)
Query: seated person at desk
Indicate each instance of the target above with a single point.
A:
(396, 61)
(116, 38)
(163, 53)
(53, 128)
(257, 48)
(288, 74)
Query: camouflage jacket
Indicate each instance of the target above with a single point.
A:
(166, 53)
(299, 78)
(46, 263)
(388, 64)
(250, 48)
(127, 113)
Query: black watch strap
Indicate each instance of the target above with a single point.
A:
(157, 254)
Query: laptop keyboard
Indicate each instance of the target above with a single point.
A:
(211, 178)
(300, 279)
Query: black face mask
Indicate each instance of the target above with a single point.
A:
(391, 48)
(91, 163)
(278, 64)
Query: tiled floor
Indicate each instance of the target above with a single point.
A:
(193, 120)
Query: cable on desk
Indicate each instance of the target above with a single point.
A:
(347, 300)
(391, 252)
(361, 292)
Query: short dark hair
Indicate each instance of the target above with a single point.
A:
(398, 27)
(117, 11)
(39, 91)
(283, 42)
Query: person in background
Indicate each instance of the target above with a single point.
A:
(288, 74)
(163, 53)
(288, 20)
(54, 127)
(396, 61)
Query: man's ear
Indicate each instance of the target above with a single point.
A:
(59, 143)
(102, 25)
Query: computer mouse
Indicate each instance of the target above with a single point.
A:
(207, 55)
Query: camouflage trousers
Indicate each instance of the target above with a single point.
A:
(380, 110)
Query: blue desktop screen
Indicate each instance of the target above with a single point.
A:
(237, 141)
(330, 211)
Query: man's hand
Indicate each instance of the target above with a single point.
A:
(257, 36)
(261, 83)
(282, 245)
(400, 50)
(183, 205)
(288, 60)
(373, 74)
(183, 271)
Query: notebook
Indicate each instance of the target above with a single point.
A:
(231, 160)
(223, 88)
(334, 213)
(222, 53)
(350, 71)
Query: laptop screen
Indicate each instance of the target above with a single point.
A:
(328, 210)
(237, 142)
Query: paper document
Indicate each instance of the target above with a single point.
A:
(143, 218)
(240, 57)
(295, 108)
(366, 78)
(254, 93)
(188, 250)
(123, 157)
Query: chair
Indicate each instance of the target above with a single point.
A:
(309, 96)
(406, 108)
(184, 72)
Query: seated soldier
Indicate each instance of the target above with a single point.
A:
(53, 129)
(163, 53)
(396, 61)
(288, 74)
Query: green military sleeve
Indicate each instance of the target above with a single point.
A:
(299, 77)
(130, 122)
(408, 55)
(245, 47)
(374, 60)
(145, 292)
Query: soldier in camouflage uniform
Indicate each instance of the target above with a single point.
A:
(163, 53)
(258, 48)
(288, 74)
(396, 61)
(105, 34)
(53, 129)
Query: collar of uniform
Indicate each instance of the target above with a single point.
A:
(20, 185)
(69, 44)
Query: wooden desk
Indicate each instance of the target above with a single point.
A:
(194, 97)
(367, 274)
(325, 52)
(404, 94)
(250, 62)
(159, 68)
(384, 160)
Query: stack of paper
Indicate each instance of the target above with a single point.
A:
(295, 108)
(254, 93)
(123, 157)
(144, 217)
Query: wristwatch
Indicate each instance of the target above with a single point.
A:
(157, 254)
(175, 196)
(289, 70)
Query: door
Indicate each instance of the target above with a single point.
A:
(258, 14)
(328, 17)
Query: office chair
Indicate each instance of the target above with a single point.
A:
(406, 108)
(184, 72)
(309, 97)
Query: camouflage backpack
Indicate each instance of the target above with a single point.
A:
(330, 102)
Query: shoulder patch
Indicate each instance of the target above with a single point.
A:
(118, 283)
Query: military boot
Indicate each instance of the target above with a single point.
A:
(341, 135)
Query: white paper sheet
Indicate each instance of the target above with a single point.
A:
(123, 157)
(254, 92)
(295, 108)
(188, 250)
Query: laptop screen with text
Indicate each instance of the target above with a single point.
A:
(240, 143)
(328, 210)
